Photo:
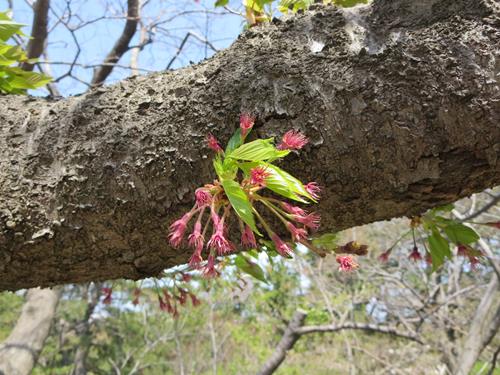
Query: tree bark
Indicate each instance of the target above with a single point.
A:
(399, 98)
(19, 353)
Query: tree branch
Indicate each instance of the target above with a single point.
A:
(36, 44)
(400, 106)
(121, 46)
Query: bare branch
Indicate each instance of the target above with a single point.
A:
(121, 46)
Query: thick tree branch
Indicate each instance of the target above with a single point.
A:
(121, 46)
(36, 44)
(401, 105)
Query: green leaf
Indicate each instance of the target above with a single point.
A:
(239, 201)
(234, 142)
(221, 3)
(439, 249)
(249, 267)
(258, 150)
(461, 234)
(327, 241)
(281, 182)
(8, 27)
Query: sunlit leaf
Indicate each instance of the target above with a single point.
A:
(239, 201)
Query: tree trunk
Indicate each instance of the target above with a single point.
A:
(399, 98)
(19, 353)
(483, 327)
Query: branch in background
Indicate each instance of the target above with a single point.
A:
(36, 44)
(19, 352)
(181, 46)
(121, 46)
(295, 330)
(288, 340)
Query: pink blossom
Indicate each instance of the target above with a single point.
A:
(107, 292)
(282, 247)
(196, 239)
(195, 260)
(384, 257)
(218, 241)
(415, 255)
(195, 301)
(462, 250)
(293, 209)
(209, 270)
(493, 224)
(347, 263)
(164, 305)
(248, 238)
(213, 143)
(293, 140)
(313, 189)
(203, 197)
(428, 258)
(258, 176)
(246, 123)
(311, 220)
(178, 228)
(182, 298)
(298, 234)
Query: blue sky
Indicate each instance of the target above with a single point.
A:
(96, 39)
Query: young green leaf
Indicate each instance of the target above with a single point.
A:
(239, 201)
(235, 142)
(258, 150)
(327, 241)
(439, 249)
(461, 234)
(249, 267)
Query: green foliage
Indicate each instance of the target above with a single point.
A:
(251, 268)
(14, 80)
(240, 202)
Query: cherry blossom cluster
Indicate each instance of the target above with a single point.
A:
(206, 227)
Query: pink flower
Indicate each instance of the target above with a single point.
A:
(493, 224)
(164, 305)
(384, 257)
(282, 247)
(462, 250)
(186, 277)
(203, 197)
(311, 220)
(213, 143)
(428, 258)
(137, 294)
(182, 298)
(195, 260)
(298, 234)
(294, 210)
(293, 140)
(258, 176)
(218, 241)
(209, 270)
(178, 228)
(313, 189)
(415, 255)
(196, 238)
(107, 292)
(195, 301)
(248, 238)
(246, 123)
(346, 263)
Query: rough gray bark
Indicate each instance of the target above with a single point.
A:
(402, 105)
(19, 353)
